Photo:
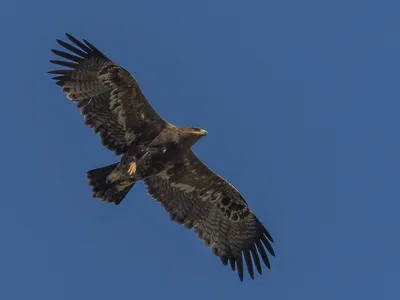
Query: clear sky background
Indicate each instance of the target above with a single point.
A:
(301, 102)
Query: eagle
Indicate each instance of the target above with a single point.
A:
(159, 154)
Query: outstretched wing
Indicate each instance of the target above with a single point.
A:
(108, 96)
(198, 198)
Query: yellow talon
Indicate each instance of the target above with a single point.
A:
(132, 168)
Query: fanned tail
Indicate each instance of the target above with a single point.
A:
(113, 192)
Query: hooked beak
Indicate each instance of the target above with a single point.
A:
(203, 132)
(200, 132)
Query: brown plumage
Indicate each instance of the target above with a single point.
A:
(160, 154)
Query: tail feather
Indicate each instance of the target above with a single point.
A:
(113, 192)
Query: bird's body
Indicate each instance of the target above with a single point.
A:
(159, 154)
(141, 162)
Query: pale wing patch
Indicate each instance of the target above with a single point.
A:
(183, 187)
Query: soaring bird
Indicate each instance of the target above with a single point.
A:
(160, 154)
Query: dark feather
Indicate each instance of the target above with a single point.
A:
(67, 55)
(57, 77)
(232, 263)
(264, 256)
(267, 245)
(224, 260)
(256, 259)
(247, 258)
(73, 49)
(79, 43)
(239, 263)
(63, 72)
(91, 46)
(268, 234)
(63, 63)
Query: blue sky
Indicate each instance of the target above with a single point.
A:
(301, 102)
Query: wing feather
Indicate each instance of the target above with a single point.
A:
(247, 258)
(108, 96)
(204, 201)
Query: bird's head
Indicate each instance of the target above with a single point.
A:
(193, 134)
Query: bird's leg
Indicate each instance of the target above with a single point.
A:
(129, 161)
(132, 168)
